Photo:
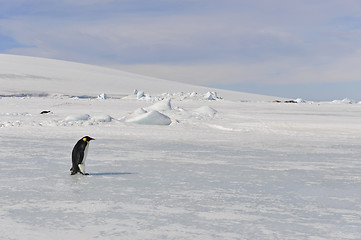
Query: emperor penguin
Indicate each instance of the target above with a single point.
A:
(79, 154)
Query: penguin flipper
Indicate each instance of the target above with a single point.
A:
(81, 157)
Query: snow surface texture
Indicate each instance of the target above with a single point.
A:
(222, 169)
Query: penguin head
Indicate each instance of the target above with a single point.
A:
(87, 139)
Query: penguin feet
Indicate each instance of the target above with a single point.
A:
(73, 173)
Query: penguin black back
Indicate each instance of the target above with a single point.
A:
(79, 155)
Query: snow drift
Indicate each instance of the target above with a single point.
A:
(151, 118)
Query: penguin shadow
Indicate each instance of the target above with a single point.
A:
(110, 173)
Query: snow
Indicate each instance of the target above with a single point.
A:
(238, 167)
(163, 105)
(31, 76)
(77, 117)
(151, 118)
(101, 118)
(206, 111)
(138, 112)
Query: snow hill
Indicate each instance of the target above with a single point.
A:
(21, 75)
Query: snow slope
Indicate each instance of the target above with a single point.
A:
(39, 76)
(221, 169)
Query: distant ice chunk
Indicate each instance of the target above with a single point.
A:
(151, 118)
(211, 96)
(77, 117)
(343, 101)
(192, 94)
(140, 94)
(103, 96)
(300, 100)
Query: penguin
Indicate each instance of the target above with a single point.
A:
(79, 154)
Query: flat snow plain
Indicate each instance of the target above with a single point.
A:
(170, 166)
(221, 170)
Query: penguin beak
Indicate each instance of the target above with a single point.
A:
(91, 139)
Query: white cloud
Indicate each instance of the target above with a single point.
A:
(282, 71)
(155, 40)
(202, 42)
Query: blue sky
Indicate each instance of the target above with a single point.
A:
(309, 49)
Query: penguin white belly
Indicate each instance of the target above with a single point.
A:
(82, 165)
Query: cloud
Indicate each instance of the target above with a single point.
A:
(200, 42)
(159, 39)
(282, 71)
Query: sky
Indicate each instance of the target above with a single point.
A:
(308, 49)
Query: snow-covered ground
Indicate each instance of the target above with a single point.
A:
(175, 165)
